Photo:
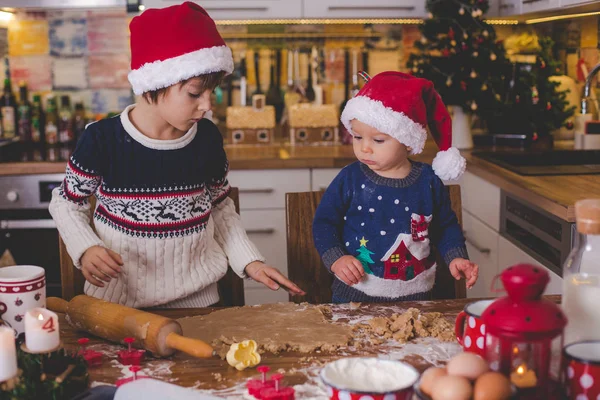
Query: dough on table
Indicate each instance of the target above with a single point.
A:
(275, 327)
(410, 325)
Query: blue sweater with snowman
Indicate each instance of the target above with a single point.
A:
(389, 225)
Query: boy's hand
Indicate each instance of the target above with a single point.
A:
(459, 268)
(271, 278)
(348, 269)
(100, 264)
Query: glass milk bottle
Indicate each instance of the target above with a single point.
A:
(581, 276)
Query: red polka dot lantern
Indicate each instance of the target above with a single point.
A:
(524, 334)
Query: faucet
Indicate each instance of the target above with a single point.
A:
(587, 87)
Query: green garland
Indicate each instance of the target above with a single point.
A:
(39, 373)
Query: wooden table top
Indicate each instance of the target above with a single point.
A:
(216, 377)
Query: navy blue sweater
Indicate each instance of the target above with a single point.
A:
(389, 226)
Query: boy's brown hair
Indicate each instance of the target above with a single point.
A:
(207, 81)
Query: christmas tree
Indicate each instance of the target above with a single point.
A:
(458, 52)
(535, 105)
(364, 256)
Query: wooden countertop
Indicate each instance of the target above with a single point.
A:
(555, 194)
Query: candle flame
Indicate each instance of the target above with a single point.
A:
(520, 369)
(40, 317)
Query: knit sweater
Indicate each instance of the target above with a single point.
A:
(162, 205)
(389, 226)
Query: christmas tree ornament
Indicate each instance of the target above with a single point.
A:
(448, 82)
(415, 69)
(548, 106)
(485, 33)
(474, 14)
(480, 39)
(453, 43)
(542, 64)
(473, 74)
(475, 54)
(517, 99)
(451, 33)
(493, 57)
(484, 87)
(463, 85)
(465, 36)
(461, 11)
(446, 53)
(473, 106)
(423, 40)
(497, 96)
(464, 46)
(535, 96)
(429, 15)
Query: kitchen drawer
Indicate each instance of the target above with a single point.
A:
(261, 189)
(531, 6)
(266, 229)
(264, 295)
(364, 9)
(482, 245)
(481, 199)
(508, 8)
(509, 254)
(241, 9)
(322, 177)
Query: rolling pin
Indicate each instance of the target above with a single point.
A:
(160, 335)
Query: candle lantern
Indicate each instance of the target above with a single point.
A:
(524, 333)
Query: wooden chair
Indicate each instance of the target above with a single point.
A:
(231, 286)
(306, 269)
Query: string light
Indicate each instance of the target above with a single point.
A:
(493, 57)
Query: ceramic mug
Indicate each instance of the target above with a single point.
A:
(22, 287)
(581, 362)
(470, 329)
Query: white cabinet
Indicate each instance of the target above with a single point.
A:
(241, 9)
(507, 8)
(322, 177)
(262, 208)
(509, 254)
(482, 199)
(570, 3)
(363, 9)
(482, 245)
(530, 6)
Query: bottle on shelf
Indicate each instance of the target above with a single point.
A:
(79, 120)
(65, 121)
(24, 112)
(51, 121)
(581, 276)
(8, 109)
(37, 120)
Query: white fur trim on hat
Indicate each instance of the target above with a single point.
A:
(396, 124)
(449, 165)
(165, 73)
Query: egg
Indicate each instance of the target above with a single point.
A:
(452, 388)
(492, 386)
(429, 377)
(468, 365)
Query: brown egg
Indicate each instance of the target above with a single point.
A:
(452, 388)
(468, 365)
(492, 386)
(429, 377)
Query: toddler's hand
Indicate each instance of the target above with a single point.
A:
(100, 264)
(459, 268)
(271, 278)
(348, 269)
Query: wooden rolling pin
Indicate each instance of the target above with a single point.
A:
(160, 335)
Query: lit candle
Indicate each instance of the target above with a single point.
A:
(41, 330)
(8, 354)
(523, 377)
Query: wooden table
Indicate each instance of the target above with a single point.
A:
(216, 377)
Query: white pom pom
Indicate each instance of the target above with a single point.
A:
(449, 165)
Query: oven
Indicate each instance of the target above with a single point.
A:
(26, 227)
(540, 234)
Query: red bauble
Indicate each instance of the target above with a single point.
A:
(463, 85)
(446, 53)
(464, 46)
(451, 33)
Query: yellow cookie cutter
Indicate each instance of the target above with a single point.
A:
(243, 355)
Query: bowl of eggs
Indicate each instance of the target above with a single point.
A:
(369, 378)
(466, 377)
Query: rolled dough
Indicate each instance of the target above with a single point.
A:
(275, 327)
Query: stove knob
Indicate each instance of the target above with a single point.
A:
(12, 196)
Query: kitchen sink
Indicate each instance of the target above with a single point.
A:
(547, 162)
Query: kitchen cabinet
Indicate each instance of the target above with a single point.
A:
(509, 254)
(481, 199)
(508, 8)
(363, 9)
(241, 9)
(322, 177)
(530, 6)
(482, 245)
(570, 3)
(262, 208)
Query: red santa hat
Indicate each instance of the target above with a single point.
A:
(402, 106)
(172, 44)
